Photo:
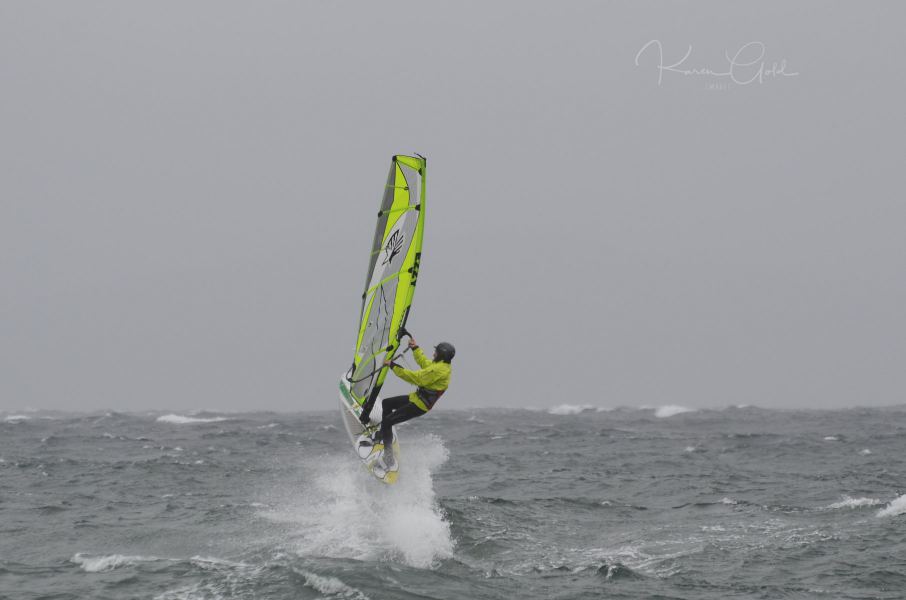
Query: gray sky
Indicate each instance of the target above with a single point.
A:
(188, 194)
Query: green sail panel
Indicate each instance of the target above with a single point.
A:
(391, 275)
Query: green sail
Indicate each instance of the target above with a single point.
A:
(391, 276)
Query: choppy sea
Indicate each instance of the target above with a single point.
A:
(568, 502)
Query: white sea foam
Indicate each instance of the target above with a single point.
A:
(831, 438)
(342, 511)
(848, 502)
(194, 591)
(864, 451)
(671, 410)
(228, 579)
(212, 562)
(661, 563)
(181, 420)
(569, 409)
(16, 418)
(690, 449)
(98, 564)
(896, 507)
(331, 586)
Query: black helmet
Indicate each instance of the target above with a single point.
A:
(445, 352)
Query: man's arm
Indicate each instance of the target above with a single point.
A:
(421, 378)
(422, 360)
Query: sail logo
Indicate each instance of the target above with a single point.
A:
(414, 269)
(393, 247)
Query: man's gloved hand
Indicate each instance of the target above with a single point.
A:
(412, 343)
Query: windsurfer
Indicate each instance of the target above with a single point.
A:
(432, 380)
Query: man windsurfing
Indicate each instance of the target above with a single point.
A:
(431, 380)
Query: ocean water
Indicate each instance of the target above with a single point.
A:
(568, 502)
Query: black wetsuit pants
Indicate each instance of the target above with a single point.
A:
(396, 410)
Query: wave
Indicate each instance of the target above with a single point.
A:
(616, 571)
(555, 501)
(99, 564)
(181, 420)
(705, 504)
(343, 512)
(569, 409)
(670, 410)
(896, 507)
(848, 502)
(220, 578)
(16, 418)
(607, 571)
(574, 409)
(331, 586)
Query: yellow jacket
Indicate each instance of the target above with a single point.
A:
(434, 376)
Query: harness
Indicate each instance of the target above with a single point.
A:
(429, 397)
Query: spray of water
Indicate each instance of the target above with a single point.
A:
(343, 512)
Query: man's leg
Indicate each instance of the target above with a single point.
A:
(401, 414)
(388, 406)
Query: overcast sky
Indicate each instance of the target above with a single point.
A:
(188, 193)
